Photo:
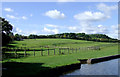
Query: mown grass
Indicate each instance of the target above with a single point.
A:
(53, 61)
(65, 59)
(37, 43)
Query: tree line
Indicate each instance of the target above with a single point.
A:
(78, 36)
(8, 36)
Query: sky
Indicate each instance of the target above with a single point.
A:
(44, 18)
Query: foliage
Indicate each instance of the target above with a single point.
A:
(6, 31)
(79, 36)
(18, 37)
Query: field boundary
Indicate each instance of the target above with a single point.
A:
(55, 51)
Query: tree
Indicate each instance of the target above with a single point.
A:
(80, 35)
(31, 36)
(18, 37)
(87, 37)
(6, 31)
(72, 36)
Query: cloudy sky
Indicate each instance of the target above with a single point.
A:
(60, 17)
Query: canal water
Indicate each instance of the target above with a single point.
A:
(103, 68)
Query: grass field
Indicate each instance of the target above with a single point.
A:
(53, 61)
(37, 43)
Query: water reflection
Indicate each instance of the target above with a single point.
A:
(104, 68)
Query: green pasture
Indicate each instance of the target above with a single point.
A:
(64, 59)
(38, 43)
(58, 60)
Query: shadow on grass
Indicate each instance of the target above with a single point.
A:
(10, 46)
(6, 56)
(15, 69)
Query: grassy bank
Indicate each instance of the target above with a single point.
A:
(32, 65)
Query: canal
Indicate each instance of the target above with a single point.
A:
(103, 68)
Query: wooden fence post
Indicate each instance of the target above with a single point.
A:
(25, 53)
(28, 49)
(15, 53)
(17, 48)
(21, 48)
(68, 50)
(54, 51)
(41, 52)
(72, 50)
(64, 50)
(76, 50)
(9, 49)
(59, 51)
(48, 51)
(34, 52)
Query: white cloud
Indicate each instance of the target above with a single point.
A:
(72, 28)
(24, 17)
(106, 9)
(50, 31)
(8, 9)
(11, 16)
(66, 0)
(100, 26)
(50, 25)
(28, 32)
(90, 16)
(87, 19)
(16, 30)
(31, 15)
(55, 14)
(93, 29)
(89, 29)
(14, 17)
(33, 32)
(111, 31)
(114, 30)
(102, 29)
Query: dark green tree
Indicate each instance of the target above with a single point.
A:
(6, 31)
(72, 35)
(18, 37)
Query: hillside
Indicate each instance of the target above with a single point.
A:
(78, 36)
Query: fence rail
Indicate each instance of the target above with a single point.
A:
(59, 51)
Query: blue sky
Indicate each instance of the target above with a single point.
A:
(59, 17)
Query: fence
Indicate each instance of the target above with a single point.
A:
(53, 51)
(48, 51)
